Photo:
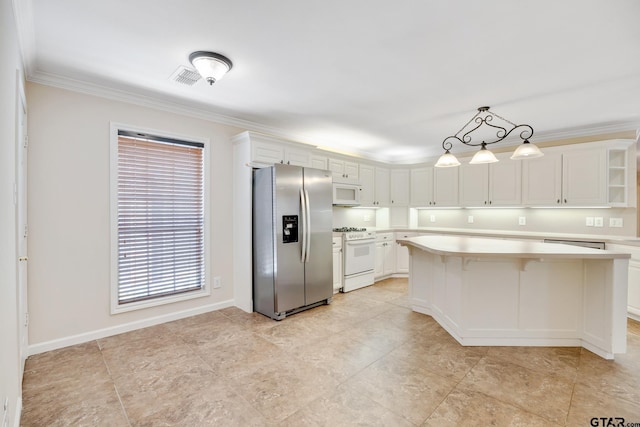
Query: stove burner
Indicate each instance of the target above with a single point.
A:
(348, 229)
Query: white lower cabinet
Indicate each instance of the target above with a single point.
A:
(385, 259)
(337, 264)
(633, 295)
(633, 303)
(402, 253)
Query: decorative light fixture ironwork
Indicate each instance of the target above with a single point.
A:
(484, 117)
(211, 66)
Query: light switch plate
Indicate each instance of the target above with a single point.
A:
(589, 221)
(598, 221)
(522, 220)
(432, 218)
(470, 219)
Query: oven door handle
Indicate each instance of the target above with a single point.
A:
(360, 242)
(303, 212)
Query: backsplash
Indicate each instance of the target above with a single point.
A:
(549, 220)
(558, 220)
(353, 217)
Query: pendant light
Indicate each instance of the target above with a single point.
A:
(447, 160)
(484, 118)
(526, 150)
(483, 156)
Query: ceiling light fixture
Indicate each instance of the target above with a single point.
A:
(211, 66)
(484, 117)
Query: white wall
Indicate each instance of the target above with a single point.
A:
(69, 246)
(10, 381)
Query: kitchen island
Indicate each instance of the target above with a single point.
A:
(497, 292)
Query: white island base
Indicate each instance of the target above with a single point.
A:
(493, 292)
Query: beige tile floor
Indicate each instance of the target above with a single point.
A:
(365, 360)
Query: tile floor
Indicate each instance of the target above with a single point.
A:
(365, 360)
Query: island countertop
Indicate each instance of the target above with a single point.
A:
(487, 247)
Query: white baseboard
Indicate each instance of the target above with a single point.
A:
(127, 327)
(633, 313)
(18, 412)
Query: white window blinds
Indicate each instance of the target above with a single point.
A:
(160, 212)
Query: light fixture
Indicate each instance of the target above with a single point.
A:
(484, 117)
(447, 160)
(526, 150)
(483, 156)
(211, 66)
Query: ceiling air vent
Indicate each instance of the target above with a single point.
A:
(185, 76)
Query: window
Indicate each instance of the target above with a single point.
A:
(159, 219)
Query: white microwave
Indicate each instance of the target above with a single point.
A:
(346, 195)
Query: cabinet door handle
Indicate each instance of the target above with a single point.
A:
(558, 201)
(565, 200)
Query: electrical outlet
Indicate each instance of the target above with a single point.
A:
(615, 222)
(522, 220)
(589, 221)
(217, 282)
(598, 221)
(432, 218)
(367, 217)
(470, 219)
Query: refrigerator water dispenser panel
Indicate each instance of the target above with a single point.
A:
(289, 228)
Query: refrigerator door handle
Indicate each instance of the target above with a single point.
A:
(307, 225)
(303, 211)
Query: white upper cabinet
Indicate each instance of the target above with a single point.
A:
(367, 185)
(445, 187)
(584, 177)
(505, 182)
(374, 186)
(318, 162)
(267, 151)
(474, 185)
(382, 190)
(542, 180)
(422, 187)
(434, 187)
(580, 175)
(344, 171)
(593, 174)
(399, 182)
(617, 177)
(495, 184)
(573, 178)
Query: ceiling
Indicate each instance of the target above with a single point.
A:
(385, 80)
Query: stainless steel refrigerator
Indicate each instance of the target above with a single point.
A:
(292, 239)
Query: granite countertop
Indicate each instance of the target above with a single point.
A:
(482, 247)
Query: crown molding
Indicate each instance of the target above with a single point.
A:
(171, 106)
(595, 129)
(143, 100)
(23, 18)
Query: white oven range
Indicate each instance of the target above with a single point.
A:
(359, 249)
